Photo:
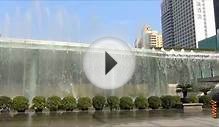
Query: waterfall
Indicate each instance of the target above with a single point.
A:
(33, 67)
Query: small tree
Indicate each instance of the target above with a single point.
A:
(154, 102)
(5, 103)
(69, 103)
(126, 103)
(20, 103)
(98, 102)
(184, 89)
(167, 101)
(53, 103)
(39, 103)
(84, 103)
(113, 102)
(141, 102)
(205, 89)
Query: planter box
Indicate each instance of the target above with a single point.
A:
(192, 107)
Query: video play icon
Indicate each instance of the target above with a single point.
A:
(109, 63)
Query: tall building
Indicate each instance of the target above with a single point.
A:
(167, 23)
(186, 22)
(216, 11)
(149, 39)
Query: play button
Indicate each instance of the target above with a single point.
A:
(109, 63)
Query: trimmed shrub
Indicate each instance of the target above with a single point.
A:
(141, 102)
(69, 103)
(126, 103)
(193, 99)
(176, 99)
(39, 103)
(205, 100)
(5, 103)
(167, 102)
(177, 102)
(154, 102)
(84, 103)
(53, 103)
(20, 103)
(98, 102)
(113, 102)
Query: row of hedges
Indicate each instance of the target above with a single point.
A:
(69, 103)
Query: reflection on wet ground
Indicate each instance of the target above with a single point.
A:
(106, 118)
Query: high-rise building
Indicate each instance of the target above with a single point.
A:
(216, 11)
(186, 22)
(149, 39)
(167, 23)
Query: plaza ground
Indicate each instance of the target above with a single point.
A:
(159, 118)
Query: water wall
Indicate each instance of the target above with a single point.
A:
(46, 68)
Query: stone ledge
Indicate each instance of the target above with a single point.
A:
(192, 107)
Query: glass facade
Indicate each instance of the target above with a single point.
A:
(216, 11)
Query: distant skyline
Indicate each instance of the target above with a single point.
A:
(78, 21)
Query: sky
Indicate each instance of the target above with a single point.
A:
(78, 21)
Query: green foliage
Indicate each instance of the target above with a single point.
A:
(154, 102)
(193, 99)
(39, 103)
(126, 103)
(177, 102)
(176, 99)
(113, 102)
(141, 102)
(84, 103)
(53, 103)
(20, 103)
(205, 89)
(168, 102)
(5, 102)
(98, 102)
(205, 100)
(69, 103)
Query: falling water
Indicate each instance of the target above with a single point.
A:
(33, 67)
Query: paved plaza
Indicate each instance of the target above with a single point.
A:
(159, 118)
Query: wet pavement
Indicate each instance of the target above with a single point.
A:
(159, 118)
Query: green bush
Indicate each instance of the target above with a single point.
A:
(141, 102)
(193, 99)
(154, 102)
(113, 102)
(205, 100)
(20, 103)
(176, 99)
(53, 103)
(84, 103)
(126, 103)
(39, 103)
(177, 102)
(98, 102)
(5, 102)
(69, 103)
(167, 102)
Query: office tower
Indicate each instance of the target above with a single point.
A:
(216, 11)
(186, 22)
